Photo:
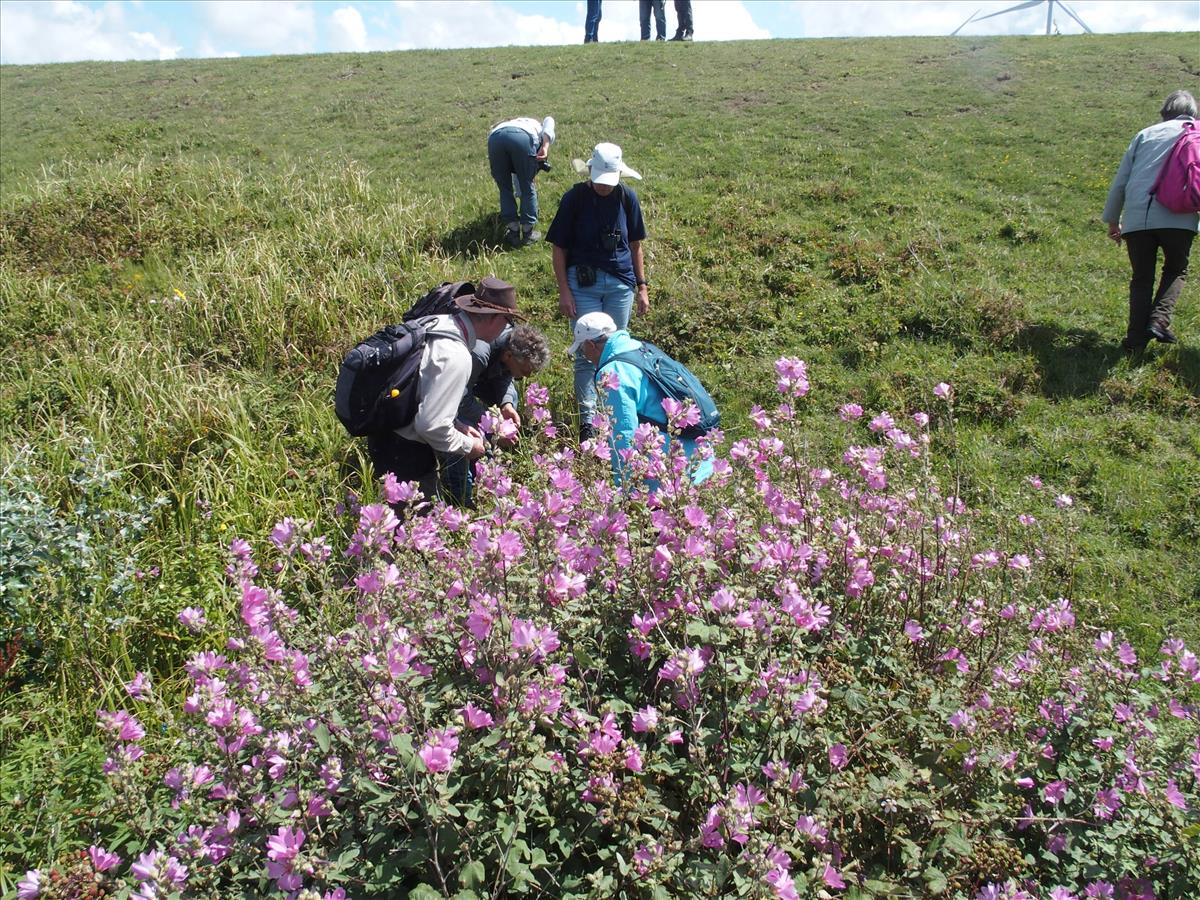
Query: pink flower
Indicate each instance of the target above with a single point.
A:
(849, 412)
(193, 619)
(882, 422)
(914, 632)
(102, 860)
(633, 759)
(832, 877)
(31, 885)
(438, 750)
(838, 756)
(537, 641)
(121, 724)
(645, 720)
(942, 390)
(1055, 791)
(139, 688)
(1174, 796)
(1062, 501)
(476, 717)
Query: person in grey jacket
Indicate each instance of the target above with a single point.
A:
(1146, 226)
(411, 453)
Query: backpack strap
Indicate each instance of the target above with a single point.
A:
(637, 358)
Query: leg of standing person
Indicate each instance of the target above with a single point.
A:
(1142, 248)
(591, 24)
(608, 295)
(527, 170)
(500, 159)
(660, 19)
(683, 12)
(644, 18)
(1176, 245)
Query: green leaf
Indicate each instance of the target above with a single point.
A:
(582, 659)
(321, 733)
(424, 892)
(935, 880)
(473, 874)
(956, 841)
(542, 764)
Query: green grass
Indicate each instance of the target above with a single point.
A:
(898, 212)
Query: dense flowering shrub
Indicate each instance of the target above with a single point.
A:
(794, 680)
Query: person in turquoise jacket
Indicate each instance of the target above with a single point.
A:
(635, 398)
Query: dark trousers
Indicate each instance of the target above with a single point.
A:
(683, 12)
(1147, 306)
(591, 22)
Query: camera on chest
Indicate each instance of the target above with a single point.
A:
(609, 240)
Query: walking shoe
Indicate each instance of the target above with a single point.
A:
(678, 36)
(530, 236)
(1162, 334)
(512, 236)
(1130, 346)
(687, 37)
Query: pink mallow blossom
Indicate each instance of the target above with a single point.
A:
(438, 750)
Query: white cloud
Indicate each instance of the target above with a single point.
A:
(266, 26)
(152, 42)
(477, 23)
(346, 30)
(65, 31)
(941, 17)
(721, 20)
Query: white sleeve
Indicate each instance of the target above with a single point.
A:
(445, 372)
(548, 127)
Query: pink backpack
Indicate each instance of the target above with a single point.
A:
(1178, 184)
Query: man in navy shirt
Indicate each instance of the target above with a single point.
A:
(597, 235)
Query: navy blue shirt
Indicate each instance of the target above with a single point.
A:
(584, 217)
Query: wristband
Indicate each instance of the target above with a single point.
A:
(642, 282)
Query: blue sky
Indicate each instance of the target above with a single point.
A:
(39, 31)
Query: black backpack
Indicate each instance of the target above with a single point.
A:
(439, 301)
(377, 383)
(676, 381)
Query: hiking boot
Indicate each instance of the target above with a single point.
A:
(1131, 346)
(512, 236)
(530, 236)
(678, 36)
(1162, 334)
(687, 36)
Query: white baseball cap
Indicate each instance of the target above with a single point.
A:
(607, 166)
(591, 327)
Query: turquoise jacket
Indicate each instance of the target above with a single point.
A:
(636, 394)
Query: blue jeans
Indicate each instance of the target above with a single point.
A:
(591, 24)
(610, 295)
(660, 18)
(511, 157)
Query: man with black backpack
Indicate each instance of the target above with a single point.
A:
(635, 378)
(410, 451)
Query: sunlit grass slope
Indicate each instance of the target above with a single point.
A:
(186, 249)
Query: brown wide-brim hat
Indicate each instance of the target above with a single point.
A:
(492, 297)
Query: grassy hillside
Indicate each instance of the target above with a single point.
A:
(187, 247)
